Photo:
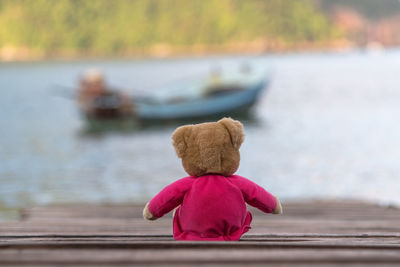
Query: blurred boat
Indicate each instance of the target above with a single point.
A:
(215, 95)
(224, 99)
(97, 101)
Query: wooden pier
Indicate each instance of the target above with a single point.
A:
(309, 233)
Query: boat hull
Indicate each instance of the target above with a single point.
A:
(223, 104)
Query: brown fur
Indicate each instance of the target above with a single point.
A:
(211, 147)
(147, 214)
(206, 148)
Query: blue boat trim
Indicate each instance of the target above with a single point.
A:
(202, 106)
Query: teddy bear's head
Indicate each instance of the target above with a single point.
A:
(211, 147)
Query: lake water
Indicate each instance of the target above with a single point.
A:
(328, 127)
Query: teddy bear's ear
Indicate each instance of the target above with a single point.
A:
(235, 130)
(178, 139)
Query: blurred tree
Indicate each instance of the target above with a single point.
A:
(106, 27)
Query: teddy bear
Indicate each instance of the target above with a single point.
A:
(210, 204)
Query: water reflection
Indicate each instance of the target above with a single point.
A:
(95, 127)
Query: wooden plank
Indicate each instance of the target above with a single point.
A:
(137, 243)
(309, 233)
(270, 256)
(164, 226)
(325, 210)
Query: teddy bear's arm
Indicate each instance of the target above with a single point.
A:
(257, 196)
(167, 199)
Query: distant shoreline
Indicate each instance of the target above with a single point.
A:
(15, 54)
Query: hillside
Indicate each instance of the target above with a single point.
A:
(73, 28)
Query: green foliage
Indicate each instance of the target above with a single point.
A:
(109, 27)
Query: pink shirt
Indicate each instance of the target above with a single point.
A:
(212, 207)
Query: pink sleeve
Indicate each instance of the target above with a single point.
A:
(255, 195)
(170, 197)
